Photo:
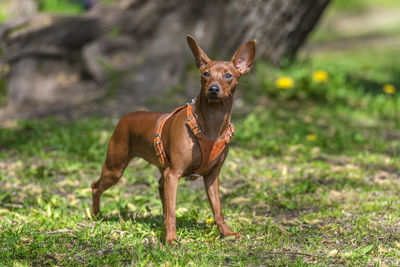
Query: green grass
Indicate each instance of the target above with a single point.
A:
(357, 6)
(61, 7)
(337, 22)
(3, 14)
(328, 200)
(69, 7)
(64, 6)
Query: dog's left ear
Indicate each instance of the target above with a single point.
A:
(244, 57)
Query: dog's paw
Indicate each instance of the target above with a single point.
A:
(98, 216)
(172, 241)
(230, 236)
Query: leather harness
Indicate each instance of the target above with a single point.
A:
(210, 150)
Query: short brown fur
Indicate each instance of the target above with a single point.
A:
(134, 134)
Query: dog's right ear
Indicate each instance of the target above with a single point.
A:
(199, 55)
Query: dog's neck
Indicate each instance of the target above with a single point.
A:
(213, 117)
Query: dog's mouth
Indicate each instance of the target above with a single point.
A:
(213, 97)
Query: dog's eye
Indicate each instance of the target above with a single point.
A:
(206, 73)
(228, 75)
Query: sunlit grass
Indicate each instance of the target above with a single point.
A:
(357, 6)
(61, 7)
(311, 178)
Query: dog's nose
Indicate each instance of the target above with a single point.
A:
(213, 90)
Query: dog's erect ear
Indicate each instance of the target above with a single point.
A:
(244, 57)
(199, 55)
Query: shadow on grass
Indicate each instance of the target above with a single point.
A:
(71, 138)
(156, 222)
(374, 87)
(296, 195)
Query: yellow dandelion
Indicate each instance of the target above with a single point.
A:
(389, 89)
(311, 137)
(209, 221)
(320, 76)
(284, 82)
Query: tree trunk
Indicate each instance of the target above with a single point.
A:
(135, 50)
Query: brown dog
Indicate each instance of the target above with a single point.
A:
(192, 141)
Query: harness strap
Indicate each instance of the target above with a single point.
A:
(210, 150)
(157, 143)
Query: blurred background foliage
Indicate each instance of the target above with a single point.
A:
(346, 74)
(341, 95)
(66, 7)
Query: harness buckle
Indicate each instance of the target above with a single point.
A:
(196, 133)
(157, 135)
(157, 143)
(159, 153)
(191, 102)
(192, 177)
(189, 119)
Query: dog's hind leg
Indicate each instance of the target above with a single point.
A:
(113, 168)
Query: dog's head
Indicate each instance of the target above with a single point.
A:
(219, 78)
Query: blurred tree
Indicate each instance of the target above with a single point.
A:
(138, 48)
(88, 4)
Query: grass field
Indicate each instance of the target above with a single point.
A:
(312, 178)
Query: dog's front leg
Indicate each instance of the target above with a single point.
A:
(211, 183)
(171, 179)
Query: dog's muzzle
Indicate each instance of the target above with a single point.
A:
(213, 91)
